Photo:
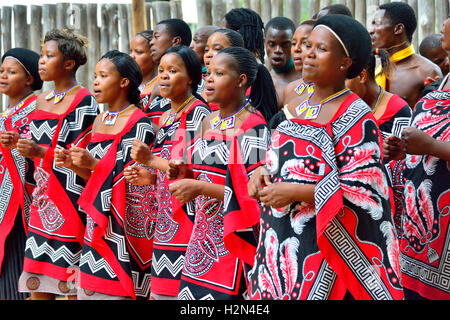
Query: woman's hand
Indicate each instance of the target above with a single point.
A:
(177, 169)
(259, 179)
(138, 175)
(62, 158)
(393, 148)
(276, 195)
(141, 153)
(416, 141)
(82, 158)
(9, 139)
(184, 190)
(30, 149)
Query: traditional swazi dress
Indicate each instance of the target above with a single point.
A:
(395, 118)
(17, 184)
(174, 221)
(117, 250)
(56, 226)
(223, 243)
(425, 243)
(156, 107)
(343, 245)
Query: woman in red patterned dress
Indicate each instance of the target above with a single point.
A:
(63, 117)
(19, 79)
(425, 232)
(326, 223)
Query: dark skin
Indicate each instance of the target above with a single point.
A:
(278, 48)
(290, 97)
(199, 41)
(415, 141)
(326, 65)
(409, 75)
(140, 51)
(16, 83)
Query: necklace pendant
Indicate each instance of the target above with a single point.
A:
(228, 123)
(169, 119)
(50, 95)
(59, 97)
(313, 112)
(301, 108)
(215, 122)
(109, 118)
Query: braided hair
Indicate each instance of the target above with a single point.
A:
(250, 25)
(127, 68)
(262, 95)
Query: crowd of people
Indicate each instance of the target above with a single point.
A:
(245, 161)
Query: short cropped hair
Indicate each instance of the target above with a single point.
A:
(401, 12)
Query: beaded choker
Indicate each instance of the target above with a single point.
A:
(59, 96)
(109, 118)
(142, 86)
(228, 122)
(302, 86)
(10, 110)
(312, 111)
(170, 118)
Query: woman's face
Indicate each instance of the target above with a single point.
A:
(324, 58)
(446, 35)
(161, 41)
(216, 42)
(14, 79)
(51, 62)
(140, 51)
(223, 81)
(107, 81)
(173, 78)
(298, 45)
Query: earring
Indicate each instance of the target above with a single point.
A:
(342, 67)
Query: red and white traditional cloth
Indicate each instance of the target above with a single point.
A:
(16, 183)
(117, 251)
(223, 242)
(56, 226)
(174, 220)
(345, 242)
(425, 238)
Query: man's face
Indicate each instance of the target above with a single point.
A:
(381, 30)
(278, 47)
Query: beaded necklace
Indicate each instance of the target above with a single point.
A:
(312, 111)
(170, 118)
(380, 96)
(10, 110)
(143, 86)
(59, 96)
(110, 117)
(228, 122)
(302, 86)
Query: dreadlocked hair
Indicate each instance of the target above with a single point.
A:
(262, 94)
(250, 25)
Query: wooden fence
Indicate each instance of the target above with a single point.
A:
(110, 26)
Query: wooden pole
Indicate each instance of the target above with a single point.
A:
(93, 42)
(6, 28)
(351, 5)
(104, 29)
(113, 26)
(293, 10)
(204, 15)
(176, 10)
(36, 28)
(161, 10)
(415, 5)
(371, 7)
(218, 11)
(256, 6)
(21, 33)
(277, 8)
(61, 14)
(314, 7)
(124, 43)
(426, 19)
(442, 12)
(360, 11)
(266, 11)
(138, 16)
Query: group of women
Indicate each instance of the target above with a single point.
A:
(180, 190)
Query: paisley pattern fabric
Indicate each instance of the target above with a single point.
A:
(345, 241)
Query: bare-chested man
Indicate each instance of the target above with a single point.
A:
(392, 29)
(277, 40)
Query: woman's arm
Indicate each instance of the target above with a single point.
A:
(419, 143)
(279, 195)
(186, 190)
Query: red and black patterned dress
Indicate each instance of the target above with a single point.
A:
(16, 176)
(155, 108)
(344, 244)
(223, 244)
(117, 251)
(425, 241)
(174, 221)
(396, 117)
(56, 226)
